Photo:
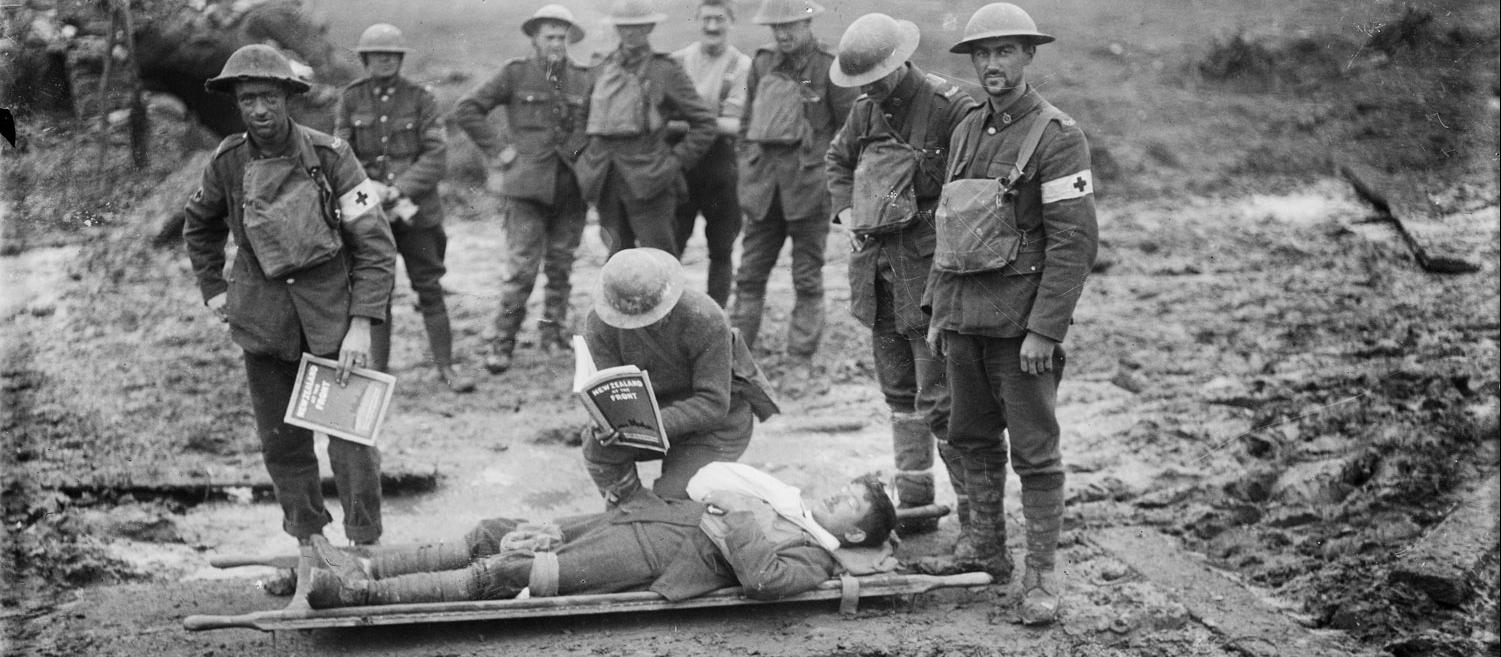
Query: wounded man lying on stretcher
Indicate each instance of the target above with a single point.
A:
(742, 526)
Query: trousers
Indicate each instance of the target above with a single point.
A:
(545, 237)
(760, 248)
(712, 192)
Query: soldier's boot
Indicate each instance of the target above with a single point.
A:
(964, 547)
(986, 485)
(551, 337)
(1042, 506)
(440, 341)
(912, 444)
(499, 358)
(616, 482)
(380, 345)
(507, 325)
(745, 315)
(406, 559)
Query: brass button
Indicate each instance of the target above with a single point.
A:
(382, 119)
(291, 281)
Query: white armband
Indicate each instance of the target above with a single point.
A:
(1074, 185)
(356, 202)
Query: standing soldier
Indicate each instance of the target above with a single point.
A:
(719, 72)
(628, 170)
(1006, 277)
(792, 113)
(313, 271)
(885, 171)
(394, 127)
(545, 97)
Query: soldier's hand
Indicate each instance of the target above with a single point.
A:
(1037, 353)
(355, 351)
(389, 193)
(217, 305)
(935, 341)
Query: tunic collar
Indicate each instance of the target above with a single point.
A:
(905, 90)
(1014, 109)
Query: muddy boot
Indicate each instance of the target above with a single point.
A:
(440, 341)
(1043, 510)
(745, 314)
(499, 358)
(986, 485)
(550, 337)
(380, 344)
(912, 444)
(407, 559)
(964, 548)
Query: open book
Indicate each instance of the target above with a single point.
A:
(355, 411)
(619, 398)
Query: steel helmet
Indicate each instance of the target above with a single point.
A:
(872, 47)
(634, 12)
(382, 37)
(256, 61)
(637, 287)
(555, 13)
(999, 19)
(776, 12)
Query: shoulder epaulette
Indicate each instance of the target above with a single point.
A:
(230, 143)
(514, 61)
(357, 82)
(942, 86)
(321, 139)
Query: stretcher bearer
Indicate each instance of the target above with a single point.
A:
(628, 170)
(546, 97)
(791, 114)
(395, 129)
(313, 271)
(719, 72)
(1016, 239)
(885, 170)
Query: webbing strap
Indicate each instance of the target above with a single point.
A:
(849, 594)
(1045, 115)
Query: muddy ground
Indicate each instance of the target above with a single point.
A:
(1268, 402)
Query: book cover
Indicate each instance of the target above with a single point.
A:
(619, 398)
(355, 411)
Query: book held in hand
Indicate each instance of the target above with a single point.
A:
(619, 398)
(355, 411)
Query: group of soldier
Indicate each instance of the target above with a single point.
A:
(970, 212)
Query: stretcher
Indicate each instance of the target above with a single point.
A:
(848, 590)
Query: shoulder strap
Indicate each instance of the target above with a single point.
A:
(919, 120)
(728, 81)
(1045, 115)
(314, 166)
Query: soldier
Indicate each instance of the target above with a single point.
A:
(1006, 277)
(885, 171)
(630, 173)
(719, 72)
(791, 114)
(393, 125)
(546, 98)
(312, 272)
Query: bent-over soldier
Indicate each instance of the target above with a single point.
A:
(546, 98)
(1006, 277)
(885, 170)
(396, 131)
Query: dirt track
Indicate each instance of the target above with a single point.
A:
(1234, 338)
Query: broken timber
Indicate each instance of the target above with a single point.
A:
(1393, 203)
(1211, 598)
(1443, 563)
(848, 590)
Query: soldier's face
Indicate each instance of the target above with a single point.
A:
(1000, 63)
(263, 107)
(713, 25)
(841, 512)
(551, 41)
(883, 87)
(793, 37)
(382, 65)
(634, 36)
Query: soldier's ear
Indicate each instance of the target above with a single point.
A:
(854, 537)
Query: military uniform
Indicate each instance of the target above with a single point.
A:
(398, 136)
(782, 186)
(628, 170)
(1047, 250)
(546, 107)
(889, 270)
(275, 319)
(720, 81)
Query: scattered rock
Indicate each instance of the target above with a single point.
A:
(1315, 483)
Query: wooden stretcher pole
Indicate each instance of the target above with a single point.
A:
(573, 605)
